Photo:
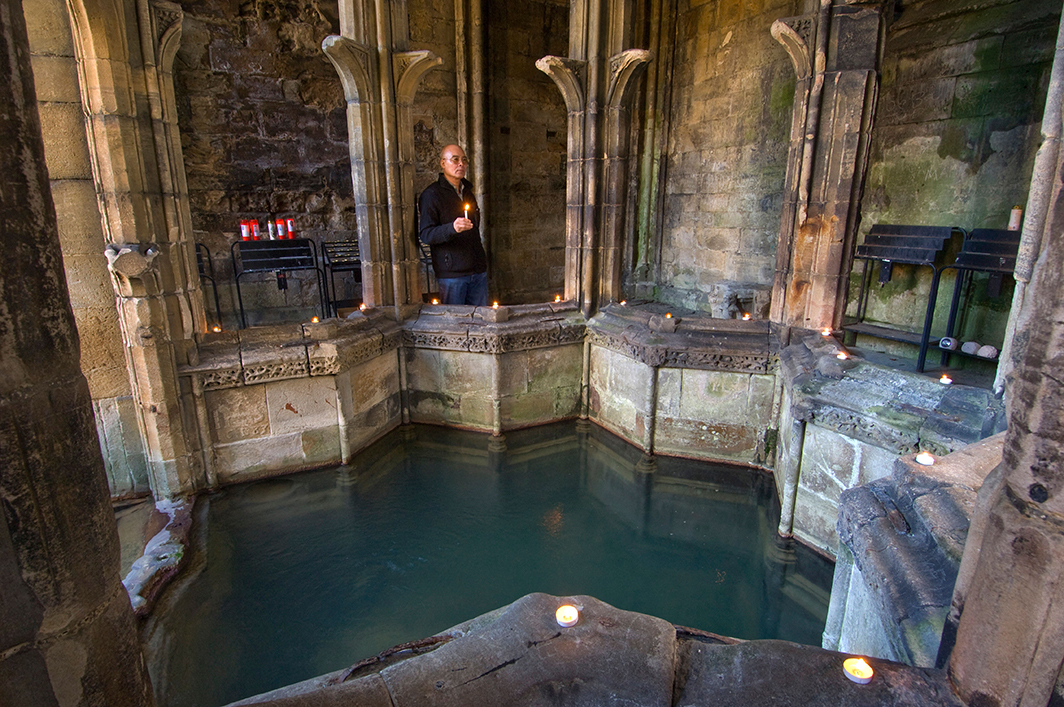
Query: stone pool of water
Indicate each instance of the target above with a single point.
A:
(310, 573)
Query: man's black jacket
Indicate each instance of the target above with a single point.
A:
(453, 254)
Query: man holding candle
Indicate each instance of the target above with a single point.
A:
(450, 225)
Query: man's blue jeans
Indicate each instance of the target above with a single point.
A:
(471, 289)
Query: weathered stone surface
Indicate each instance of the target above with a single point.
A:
(303, 404)
(238, 413)
(523, 656)
(778, 673)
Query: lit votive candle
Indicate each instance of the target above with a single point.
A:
(925, 458)
(362, 307)
(557, 298)
(842, 355)
(216, 328)
(945, 380)
(624, 302)
(567, 615)
(495, 305)
(314, 320)
(858, 670)
(746, 317)
(826, 331)
(668, 315)
(435, 301)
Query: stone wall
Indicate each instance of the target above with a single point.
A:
(957, 126)
(264, 131)
(732, 94)
(527, 138)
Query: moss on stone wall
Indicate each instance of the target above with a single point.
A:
(957, 128)
(732, 95)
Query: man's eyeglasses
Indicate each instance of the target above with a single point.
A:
(458, 160)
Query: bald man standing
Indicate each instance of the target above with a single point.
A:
(450, 225)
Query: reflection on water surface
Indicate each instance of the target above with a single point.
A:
(310, 573)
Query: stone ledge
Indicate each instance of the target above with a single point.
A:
(896, 410)
(485, 330)
(686, 340)
(265, 354)
(520, 655)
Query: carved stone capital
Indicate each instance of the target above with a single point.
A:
(570, 77)
(623, 68)
(796, 36)
(410, 68)
(355, 63)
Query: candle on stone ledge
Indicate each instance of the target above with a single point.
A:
(945, 379)
(925, 458)
(567, 615)
(858, 670)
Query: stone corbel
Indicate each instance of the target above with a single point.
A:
(133, 264)
(355, 63)
(569, 75)
(410, 68)
(796, 34)
(623, 68)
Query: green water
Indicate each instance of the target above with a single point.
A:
(310, 573)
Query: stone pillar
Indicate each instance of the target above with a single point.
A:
(380, 78)
(67, 634)
(835, 55)
(1010, 639)
(594, 80)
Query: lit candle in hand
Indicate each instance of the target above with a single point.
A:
(466, 210)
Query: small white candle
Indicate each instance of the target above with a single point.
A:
(466, 210)
(925, 458)
(945, 380)
(826, 331)
(567, 615)
(842, 355)
(746, 317)
(858, 670)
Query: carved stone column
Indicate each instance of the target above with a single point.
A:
(594, 79)
(67, 633)
(380, 79)
(139, 175)
(1010, 639)
(835, 54)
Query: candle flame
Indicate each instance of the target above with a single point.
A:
(314, 320)
(858, 669)
(567, 615)
(624, 302)
(435, 301)
(826, 331)
(557, 298)
(216, 328)
(945, 380)
(362, 307)
(842, 355)
(746, 316)
(495, 305)
(668, 315)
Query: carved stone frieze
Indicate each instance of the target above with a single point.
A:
(863, 428)
(496, 340)
(219, 378)
(275, 371)
(687, 357)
